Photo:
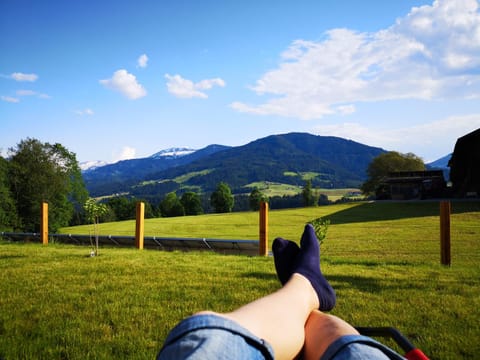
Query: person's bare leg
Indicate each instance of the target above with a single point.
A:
(279, 318)
(321, 330)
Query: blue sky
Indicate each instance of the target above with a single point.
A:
(112, 80)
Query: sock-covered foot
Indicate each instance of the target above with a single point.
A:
(308, 265)
(285, 255)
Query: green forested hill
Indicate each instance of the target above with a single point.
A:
(330, 162)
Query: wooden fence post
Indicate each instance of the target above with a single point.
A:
(263, 245)
(139, 227)
(445, 210)
(44, 223)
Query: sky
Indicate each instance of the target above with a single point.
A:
(114, 79)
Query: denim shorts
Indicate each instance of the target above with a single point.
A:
(209, 336)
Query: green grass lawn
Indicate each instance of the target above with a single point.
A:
(382, 259)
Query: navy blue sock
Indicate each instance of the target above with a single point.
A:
(285, 255)
(308, 265)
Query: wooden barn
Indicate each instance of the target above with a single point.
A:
(465, 166)
(409, 185)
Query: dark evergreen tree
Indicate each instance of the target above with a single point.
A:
(171, 206)
(255, 198)
(191, 203)
(8, 212)
(222, 199)
(309, 198)
(123, 207)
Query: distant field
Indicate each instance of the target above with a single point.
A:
(382, 259)
(276, 189)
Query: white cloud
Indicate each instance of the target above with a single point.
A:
(346, 109)
(10, 99)
(428, 140)
(142, 61)
(432, 53)
(32, 93)
(126, 84)
(126, 153)
(26, 92)
(18, 76)
(184, 88)
(207, 84)
(86, 111)
(287, 106)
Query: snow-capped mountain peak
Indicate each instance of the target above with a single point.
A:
(173, 152)
(91, 165)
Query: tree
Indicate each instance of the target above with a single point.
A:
(191, 203)
(124, 208)
(255, 198)
(8, 212)
(323, 199)
(94, 211)
(45, 172)
(171, 206)
(222, 199)
(386, 163)
(149, 211)
(309, 197)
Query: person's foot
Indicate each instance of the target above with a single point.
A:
(308, 265)
(284, 255)
(290, 259)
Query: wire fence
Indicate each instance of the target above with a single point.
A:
(230, 246)
(362, 233)
(368, 243)
(402, 243)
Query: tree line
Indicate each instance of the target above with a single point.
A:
(35, 172)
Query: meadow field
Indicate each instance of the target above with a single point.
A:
(277, 189)
(383, 259)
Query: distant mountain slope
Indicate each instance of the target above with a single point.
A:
(329, 161)
(118, 177)
(441, 163)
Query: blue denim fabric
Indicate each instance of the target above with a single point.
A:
(209, 336)
(359, 347)
(213, 337)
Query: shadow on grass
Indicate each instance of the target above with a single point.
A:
(370, 284)
(260, 275)
(361, 283)
(395, 210)
(11, 256)
(367, 263)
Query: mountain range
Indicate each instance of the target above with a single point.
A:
(330, 162)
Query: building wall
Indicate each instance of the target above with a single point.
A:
(465, 165)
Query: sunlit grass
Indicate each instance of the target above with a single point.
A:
(57, 302)
(382, 259)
